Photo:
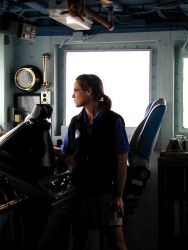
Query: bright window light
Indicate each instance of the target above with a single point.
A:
(185, 91)
(125, 76)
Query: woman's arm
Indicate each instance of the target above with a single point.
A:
(120, 182)
(121, 173)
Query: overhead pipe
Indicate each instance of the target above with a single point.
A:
(99, 19)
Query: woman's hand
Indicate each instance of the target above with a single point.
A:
(58, 152)
(119, 205)
(70, 161)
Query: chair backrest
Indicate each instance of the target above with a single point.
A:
(145, 135)
(141, 147)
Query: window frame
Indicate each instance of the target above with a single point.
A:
(152, 94)
(180, 54)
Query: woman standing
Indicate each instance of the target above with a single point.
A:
(96, 146)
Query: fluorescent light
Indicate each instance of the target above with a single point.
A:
(75, 23)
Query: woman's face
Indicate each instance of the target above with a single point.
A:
(81, 97)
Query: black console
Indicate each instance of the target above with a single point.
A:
(41, 217)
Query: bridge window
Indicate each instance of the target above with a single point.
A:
(125, 75)
(181, 91)
(185, 92)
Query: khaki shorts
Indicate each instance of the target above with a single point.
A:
(96, 210)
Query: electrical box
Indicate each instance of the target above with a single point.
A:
(46, 97)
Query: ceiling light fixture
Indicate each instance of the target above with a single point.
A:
(75, 23)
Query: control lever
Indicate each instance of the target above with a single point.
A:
(60, 183)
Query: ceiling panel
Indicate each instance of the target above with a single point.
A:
(123, 14)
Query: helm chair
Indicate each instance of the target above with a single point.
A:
(142, 144)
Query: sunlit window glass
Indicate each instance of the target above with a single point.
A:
(185, 92)
(125, 75)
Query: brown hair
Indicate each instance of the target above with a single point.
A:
(94, 82)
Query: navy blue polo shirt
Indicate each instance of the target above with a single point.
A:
(121, 139)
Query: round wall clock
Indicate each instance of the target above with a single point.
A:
(28, 78)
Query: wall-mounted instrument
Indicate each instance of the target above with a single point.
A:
(28, 78)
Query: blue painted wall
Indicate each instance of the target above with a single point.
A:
(26, 52)
(142, 228)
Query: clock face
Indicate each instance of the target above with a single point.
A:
(25, 79)
(28, 78)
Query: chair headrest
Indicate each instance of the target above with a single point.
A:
(145, 135)
(153, 104)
